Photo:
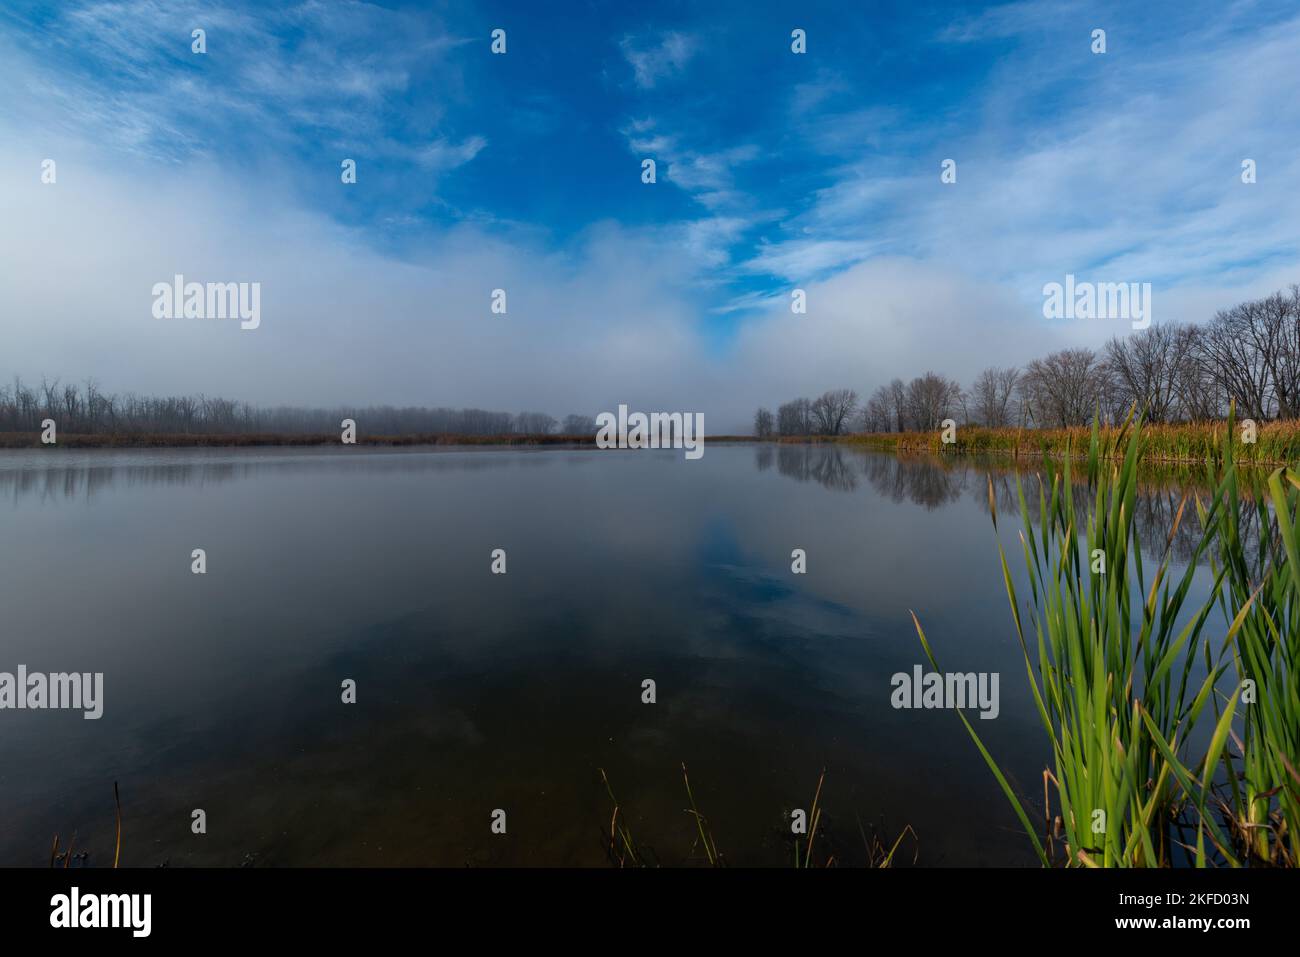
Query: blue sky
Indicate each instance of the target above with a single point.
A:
(775, 170)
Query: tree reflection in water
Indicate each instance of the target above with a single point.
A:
(935, 482)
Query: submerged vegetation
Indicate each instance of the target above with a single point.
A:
(71, 857)
(1172, 742)
(801, 828)
(624, 850)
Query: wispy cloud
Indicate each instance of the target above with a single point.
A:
(1136, 173)
(658, 57)
(442, 155)
(1007, 20)
(293, 75)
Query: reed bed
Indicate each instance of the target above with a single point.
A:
(1173, 740)
(1276, 443)
(1260, 796)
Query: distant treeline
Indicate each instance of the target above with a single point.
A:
(85, 410)
(1174, 372)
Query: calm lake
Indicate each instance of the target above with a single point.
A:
(477, 691)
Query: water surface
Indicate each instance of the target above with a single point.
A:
(479, 691)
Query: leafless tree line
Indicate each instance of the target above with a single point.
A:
(831, 413)
(86, 410)
(1174, 372)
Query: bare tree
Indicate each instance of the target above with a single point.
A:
(794, 417)
(1146, 368)
(930, 399)
(1201, 394)
(876, 414)
(1253, 351)
(991, 396)
(832, 409)
(898, 401)
(1065, 388)
(579, 425)
(1286, 370)
(50, 395)
(763, 423)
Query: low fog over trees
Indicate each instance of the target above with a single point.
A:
(579, 425)
(1175, 372)
(535, 423)
(86, 410)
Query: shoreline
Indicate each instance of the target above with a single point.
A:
(180, 440)
(1277, 443)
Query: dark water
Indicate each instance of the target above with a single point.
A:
(478, 691)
